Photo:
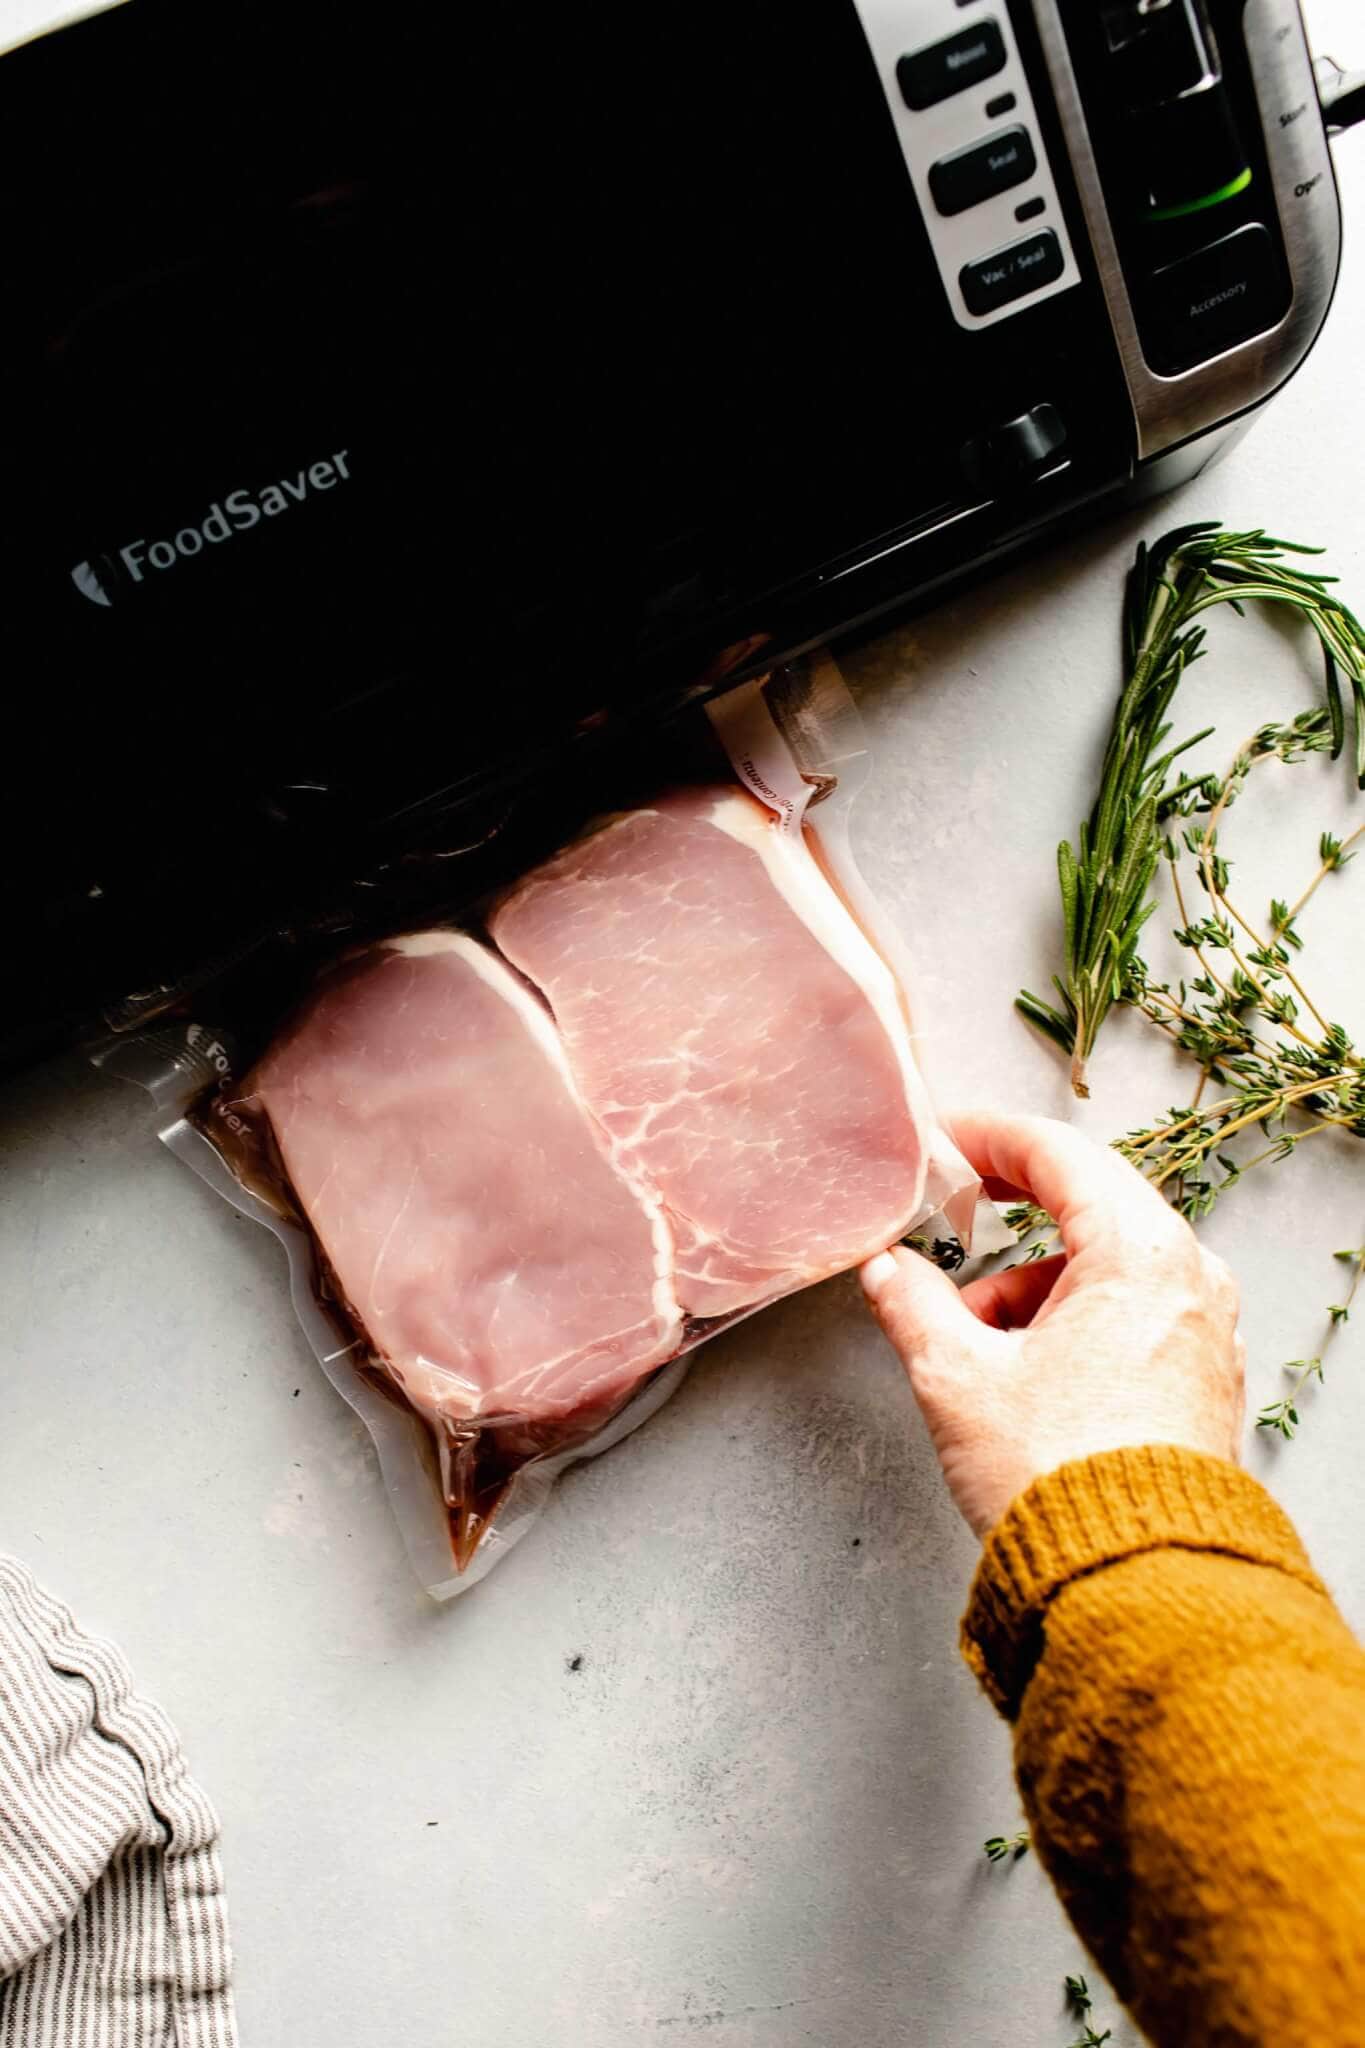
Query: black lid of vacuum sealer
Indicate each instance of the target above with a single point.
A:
(385, 406)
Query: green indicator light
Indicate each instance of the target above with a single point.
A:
(1228, 191)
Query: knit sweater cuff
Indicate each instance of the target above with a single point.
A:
(1094, 1513)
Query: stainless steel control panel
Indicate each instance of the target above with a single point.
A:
(968, 130)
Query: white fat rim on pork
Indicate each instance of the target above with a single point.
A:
(494, 971)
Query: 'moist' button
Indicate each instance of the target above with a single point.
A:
(970, 175)
(951, 66)
(1012, 272)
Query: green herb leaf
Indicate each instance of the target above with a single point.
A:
(1104, 879)
(999, 1848)
(1046, 1020)
(1336, 710)
(1274, 1071)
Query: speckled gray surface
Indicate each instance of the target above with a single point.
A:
(752, 1812)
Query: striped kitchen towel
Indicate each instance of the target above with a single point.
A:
(113, 1924)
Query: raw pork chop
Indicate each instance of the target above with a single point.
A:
(737, 1036)
(496, 1256)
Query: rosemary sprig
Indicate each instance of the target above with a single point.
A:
(1105, 879)
(1274, 1071)
(1281, 1079)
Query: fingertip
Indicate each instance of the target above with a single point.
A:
(909, 1295)
(877, 1275)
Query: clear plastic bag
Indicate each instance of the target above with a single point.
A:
(523, 1166)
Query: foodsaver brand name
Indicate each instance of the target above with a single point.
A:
(236, 513)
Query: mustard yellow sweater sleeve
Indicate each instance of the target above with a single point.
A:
(1189, 1738)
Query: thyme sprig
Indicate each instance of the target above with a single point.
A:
(1106, 878)
(998, 1848)
(1273, 1069)
(1284, 1072)
(1282, 1416)
(1080, 2004)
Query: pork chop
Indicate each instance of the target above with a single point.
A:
(499, 1260)
(736, 1035)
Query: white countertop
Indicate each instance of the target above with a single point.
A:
(754, 1811)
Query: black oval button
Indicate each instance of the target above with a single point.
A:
(982, 169)
(951, 66)
(1012, 272)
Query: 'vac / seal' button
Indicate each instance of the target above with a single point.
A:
(1012, 272)
(942, 69)
(1208, 302)
(982, 169)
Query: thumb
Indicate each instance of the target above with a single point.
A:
(916, 1304)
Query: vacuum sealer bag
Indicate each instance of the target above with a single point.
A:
(523, 1168)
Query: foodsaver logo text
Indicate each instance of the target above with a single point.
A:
(227, 517)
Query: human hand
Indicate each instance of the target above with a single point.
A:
(1129, 1338)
